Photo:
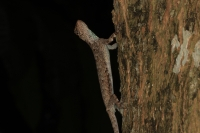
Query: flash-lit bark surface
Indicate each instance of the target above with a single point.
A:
(159, 55)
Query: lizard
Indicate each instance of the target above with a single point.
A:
(100, 48)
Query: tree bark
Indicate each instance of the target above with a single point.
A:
(159, 57)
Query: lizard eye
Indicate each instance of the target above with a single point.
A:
(76, 32)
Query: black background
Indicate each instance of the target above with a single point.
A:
(48, 79)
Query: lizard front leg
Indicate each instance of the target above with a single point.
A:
(109, 40)
(111, 47)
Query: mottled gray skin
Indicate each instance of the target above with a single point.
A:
(100, 50)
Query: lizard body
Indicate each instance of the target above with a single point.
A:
(100, 48)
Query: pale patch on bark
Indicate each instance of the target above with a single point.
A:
(196, 54)
(175, 43)
(183, 53)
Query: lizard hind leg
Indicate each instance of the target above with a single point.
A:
(114, 101)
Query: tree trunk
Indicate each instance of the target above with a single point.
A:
(159, 57)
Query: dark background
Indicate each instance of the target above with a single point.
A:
(48, 79)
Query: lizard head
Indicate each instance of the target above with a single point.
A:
(80, 28)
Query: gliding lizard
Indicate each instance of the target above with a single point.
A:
(100, 49)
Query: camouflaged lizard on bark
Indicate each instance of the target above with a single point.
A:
(100, 49)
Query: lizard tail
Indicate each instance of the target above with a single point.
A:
(113, 120)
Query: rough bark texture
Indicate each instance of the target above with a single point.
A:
(159, 58)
